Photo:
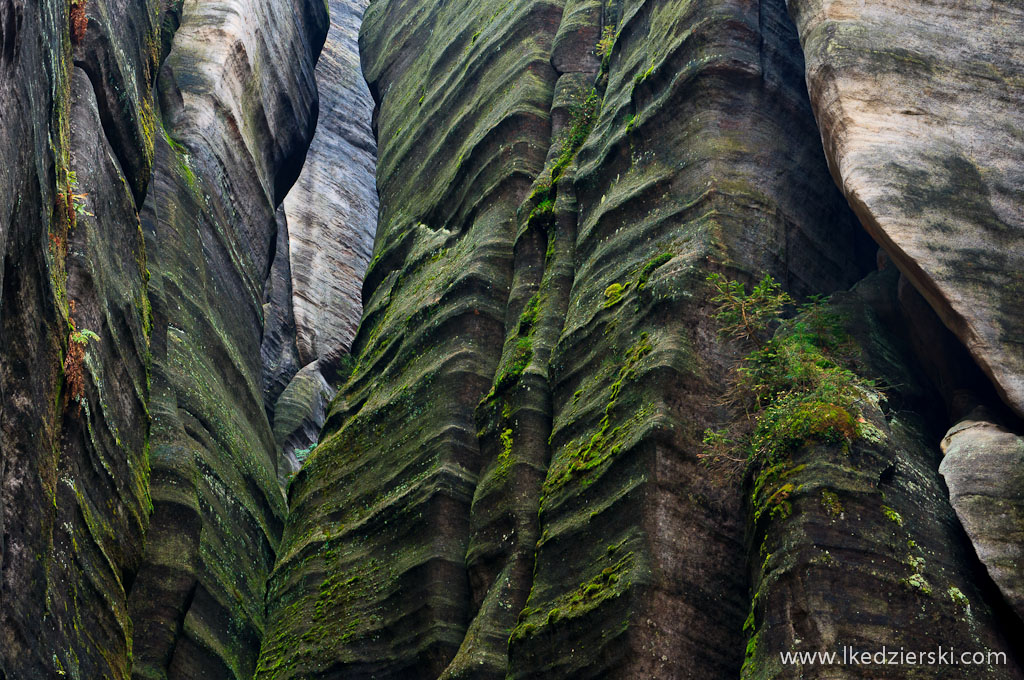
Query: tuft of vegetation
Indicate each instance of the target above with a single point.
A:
(832, 505)
(582, 116)
(893, 516)
(613, 294)
(76, 200)
(792, 388)
(607, 41)
(958, 596)
(79, 20)
(75, 359)
(649, 267)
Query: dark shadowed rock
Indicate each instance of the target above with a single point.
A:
(856, 546)
(300, 412)
(280, 356)
(74, 359)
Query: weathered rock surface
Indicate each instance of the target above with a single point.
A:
(508, 481)
(919, 105)
(280, 355)
(74, 345)
(858, 547)
(983, 466)
(541, 513)
(238, 107)
(332, 209)
(300, 413)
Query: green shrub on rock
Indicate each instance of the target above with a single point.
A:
(792, 388)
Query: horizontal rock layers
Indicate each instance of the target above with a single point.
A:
(559, 179)
(238, 107)
(507, 483)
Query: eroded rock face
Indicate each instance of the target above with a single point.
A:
(74, 343)
(919, 105)
(107, 322)
(238, 106)
(325, 238)
(508, 483)
(984, 470)
(332, 210)
(539, 511)
(858, 546)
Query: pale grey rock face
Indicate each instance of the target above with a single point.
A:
(332, 210)
(984, 469)
(238, 102)
(919, 105)
(280, 359)
(298, 416)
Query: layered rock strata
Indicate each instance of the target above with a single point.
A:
(560, 178)
(331, 215)
(74, 333)
(238, 105)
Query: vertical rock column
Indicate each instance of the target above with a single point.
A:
(76, 126)
(372, 577)
(237, 111)
(703, 157)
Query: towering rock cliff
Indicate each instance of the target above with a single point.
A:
(256, 424)
(76, 120)
(238, 102)
(146, 147)
(332, 218)
(559, 179)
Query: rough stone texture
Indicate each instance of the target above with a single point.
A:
(859, 547)
(414, 540)
(298, 417)
(74, 442)
(34, 109)
(919, 105)
(332, 210)
(238, 107)
(280, 355)
(371, 578)
(508, 483)
(983, 466)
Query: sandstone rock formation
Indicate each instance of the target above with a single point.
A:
(74, 337)
(332, 210)
(237, 102)
(560, 178)
(983, 465)
(109, 327)
(519, 398)
(314, 292)
(919, 105)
